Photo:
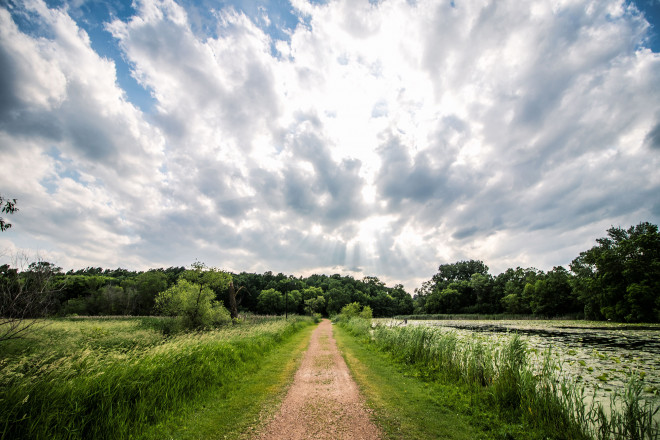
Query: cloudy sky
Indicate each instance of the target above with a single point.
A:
(345, 136)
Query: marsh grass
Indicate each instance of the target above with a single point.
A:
(501, 376)
(107, 378)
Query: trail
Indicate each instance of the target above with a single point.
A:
(323, 402)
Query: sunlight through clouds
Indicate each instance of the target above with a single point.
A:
(366, 138)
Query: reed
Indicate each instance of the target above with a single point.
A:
(502, 376)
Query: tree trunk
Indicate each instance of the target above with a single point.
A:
(233, 308)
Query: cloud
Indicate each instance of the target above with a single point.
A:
(653, 137)
(372, 138)
(63, 97)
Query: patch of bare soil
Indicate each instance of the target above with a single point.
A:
(323, 402)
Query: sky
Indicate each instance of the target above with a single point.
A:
(365, 138)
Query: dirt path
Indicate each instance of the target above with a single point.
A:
(323, 401)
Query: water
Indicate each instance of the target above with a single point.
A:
(602, 356)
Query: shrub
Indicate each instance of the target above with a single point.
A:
(351, 310)
(193, 304)
(366, 313)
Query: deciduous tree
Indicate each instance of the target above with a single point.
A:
(8, 206)
(25, 296)
(195, 305)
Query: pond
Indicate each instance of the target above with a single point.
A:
(602, 356)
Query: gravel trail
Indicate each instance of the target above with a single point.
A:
(324, 401)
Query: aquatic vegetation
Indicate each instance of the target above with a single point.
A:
(561, 381)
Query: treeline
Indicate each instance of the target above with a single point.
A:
(97, 291)
(617, 280)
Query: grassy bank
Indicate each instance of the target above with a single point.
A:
(404, 405)
(496, 388)
(112, 378)
(240, 406)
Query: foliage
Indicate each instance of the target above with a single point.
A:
(366, 313)
(620, 277)
(351, 310)
(314, 305)
(619, 280)
(356, 318)
(270, 301)
(8, 206)
(502, 376)
(24, 296)
(193, 304)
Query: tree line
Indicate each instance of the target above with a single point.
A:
(97, 291)
(618, 280)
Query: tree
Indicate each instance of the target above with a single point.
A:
(147, 285)
(233, 302)
(293, 301)
(336, 298)
(8, 207)
(460, 271)
(351, 310)
(270, 302)
(366, 313)
(195, 305)
(25, 296)
(404, 302)
(482, 286)
(510, 288)
(315, 305)
(619, 279)
(215, 279)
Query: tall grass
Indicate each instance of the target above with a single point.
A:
(503, 377)
(92, 386)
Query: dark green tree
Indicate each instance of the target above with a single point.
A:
(619, 279)
(143, 290)
(25, 296)
(270, 302)
(459, 271)
(552, 294)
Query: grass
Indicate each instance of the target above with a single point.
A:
(405, 406)
(496, 388)
(240, 407)
(112, 378)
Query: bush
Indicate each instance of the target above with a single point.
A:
(366, 313)
(193, 304)
(351, 310)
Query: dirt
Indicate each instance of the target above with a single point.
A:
(324, 401)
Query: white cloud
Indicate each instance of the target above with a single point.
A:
(379, 139)
(79, 157)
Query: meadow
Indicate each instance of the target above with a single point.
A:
(113, 378)
(528, 385)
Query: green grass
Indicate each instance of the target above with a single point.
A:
(242, 405)
(405, 406)
(499, 391)
(113, 378)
